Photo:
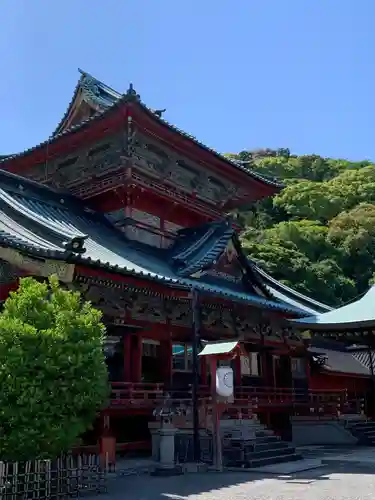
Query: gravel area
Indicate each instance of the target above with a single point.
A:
(333, 482)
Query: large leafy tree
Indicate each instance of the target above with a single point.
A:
(299, 254)
(53, 377)
(317, 235)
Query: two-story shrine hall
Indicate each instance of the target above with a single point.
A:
(133, 212)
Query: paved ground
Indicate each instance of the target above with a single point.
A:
(345, 481)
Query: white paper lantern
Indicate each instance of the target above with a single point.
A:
(224, 381)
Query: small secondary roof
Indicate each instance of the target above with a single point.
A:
(217, 348)
(358, 314)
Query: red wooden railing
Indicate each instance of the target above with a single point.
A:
(150, 395)
(136, 394)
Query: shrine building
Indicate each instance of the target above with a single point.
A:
(134, 213)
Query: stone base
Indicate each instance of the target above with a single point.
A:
(194, 467)
(167, 471)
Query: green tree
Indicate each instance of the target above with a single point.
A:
(353, 234)
(52, 370)
(317, 235)
(310, 200)
(298, 254)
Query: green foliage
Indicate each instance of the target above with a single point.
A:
(318, 234)
(52, 370)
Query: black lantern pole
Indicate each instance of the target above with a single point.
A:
(196, 340)
(369, 350)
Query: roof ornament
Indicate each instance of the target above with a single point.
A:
(132, 92)
(90, 84)
(159, 112)
(76, 245)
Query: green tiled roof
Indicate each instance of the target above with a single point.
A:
(358, 314)
(43, 222)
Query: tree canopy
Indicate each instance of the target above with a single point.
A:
(53, 376)
(318, 234)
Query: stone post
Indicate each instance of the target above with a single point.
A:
(166, 446)
(166, 465)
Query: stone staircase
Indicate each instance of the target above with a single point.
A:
(247, 443)
(363, 429)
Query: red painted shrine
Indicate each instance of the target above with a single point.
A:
(133, 212)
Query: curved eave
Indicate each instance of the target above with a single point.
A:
(356, 315)
(68, 110)
(339, 326)
(285, 293)
(72, 130)
(88, 96)
(203, 249)
(179, 283)
(38, 222)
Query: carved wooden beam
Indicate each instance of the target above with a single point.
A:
(38, 267)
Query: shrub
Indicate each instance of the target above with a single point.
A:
(53, 376)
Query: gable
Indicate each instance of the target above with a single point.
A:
(226, 267)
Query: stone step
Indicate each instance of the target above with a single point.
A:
(244, 455)
(363, 427)
(251, 444)
(370, 435)
(275, 460)
(274, 445)
(267, 439)
(264, 433)
(367, 432)
(359, 423)
(362, 433)
(260, 462)
(272, 453)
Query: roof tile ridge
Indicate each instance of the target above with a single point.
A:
(360, 361)
(210, 256)
(40, 220)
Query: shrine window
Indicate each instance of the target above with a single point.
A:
(251, 365)
(150, 348)
(298, 367)
(182, 357)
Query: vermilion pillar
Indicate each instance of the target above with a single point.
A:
(237, 370)
(203, 368)
(265, 366)
(308, 372)
(136, 358)
(127, 358)
(166, 360)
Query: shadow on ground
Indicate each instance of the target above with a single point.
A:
(226, 484)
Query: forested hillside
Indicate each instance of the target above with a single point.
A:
(318, 234)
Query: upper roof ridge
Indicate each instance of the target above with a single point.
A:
(104, 99)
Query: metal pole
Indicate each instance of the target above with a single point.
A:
(216, 435)
(371, 363)
(196, 328)
(371, 396)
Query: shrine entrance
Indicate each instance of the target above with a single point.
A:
(282, 371)
(114, 357)
(152, 369)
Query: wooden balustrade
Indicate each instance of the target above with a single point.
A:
(136, 394)
(327, 402)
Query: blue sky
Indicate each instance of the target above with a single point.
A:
(238, 75)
